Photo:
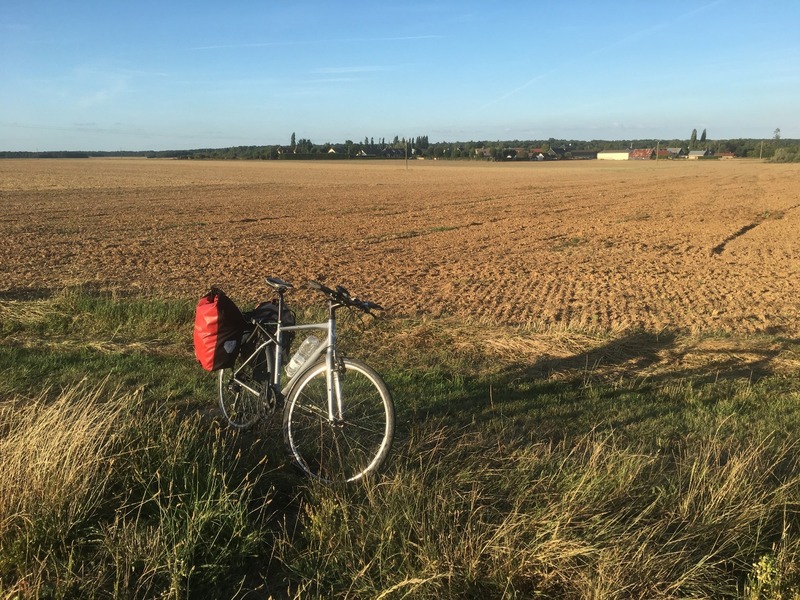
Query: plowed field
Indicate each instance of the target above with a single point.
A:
(692, 245)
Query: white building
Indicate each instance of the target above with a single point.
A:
(613, 155)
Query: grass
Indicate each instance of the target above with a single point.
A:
(404, 235)
(592, 518)
(567, 243)
(558, 463)
(104, 495)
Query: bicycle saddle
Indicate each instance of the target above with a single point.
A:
(278, 284)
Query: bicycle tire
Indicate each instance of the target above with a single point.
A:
(241, 407)
(347, 450)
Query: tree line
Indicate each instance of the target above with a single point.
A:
(776, 149)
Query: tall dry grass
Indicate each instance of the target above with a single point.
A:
(104, 495)
(57, 462)
(463, 516)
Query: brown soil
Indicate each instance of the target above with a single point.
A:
(690, 246)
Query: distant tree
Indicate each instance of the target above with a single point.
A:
(703, 137)
(294, 141)
(777, 134)
(693, 139)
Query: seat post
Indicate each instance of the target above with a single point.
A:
(280, 305)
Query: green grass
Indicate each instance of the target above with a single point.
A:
(594, 472)
(567, 243)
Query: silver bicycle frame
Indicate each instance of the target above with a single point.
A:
(274, 359)
(331, 374)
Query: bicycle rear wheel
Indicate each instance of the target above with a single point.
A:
(243, 393)
(346, 448)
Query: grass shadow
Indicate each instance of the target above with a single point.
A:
(643, 384)
(663, 357)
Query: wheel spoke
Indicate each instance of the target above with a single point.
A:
(340, 450)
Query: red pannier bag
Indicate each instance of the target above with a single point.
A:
(218, 327)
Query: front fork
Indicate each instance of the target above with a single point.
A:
(334, 368)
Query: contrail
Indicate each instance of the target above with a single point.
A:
(622, 42)
(319, 41)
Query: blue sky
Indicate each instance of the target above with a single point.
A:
(168, 74)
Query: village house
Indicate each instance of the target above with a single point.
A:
(642, 154)
(695, 154)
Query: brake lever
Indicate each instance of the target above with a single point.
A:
(343, 293)
(367, 306)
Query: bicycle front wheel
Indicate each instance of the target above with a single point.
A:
(354, 443)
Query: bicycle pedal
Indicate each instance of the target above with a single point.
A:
(268, 399)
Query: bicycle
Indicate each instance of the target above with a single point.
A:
(338, 414)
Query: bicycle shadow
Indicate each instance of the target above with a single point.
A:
(628, 354)
(605, 386)
(666, 356)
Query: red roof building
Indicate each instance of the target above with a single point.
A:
(642, 154)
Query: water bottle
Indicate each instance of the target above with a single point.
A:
(300, 357)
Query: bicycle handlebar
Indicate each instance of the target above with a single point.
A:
(342, 296)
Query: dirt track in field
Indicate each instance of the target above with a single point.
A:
(692, 245)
